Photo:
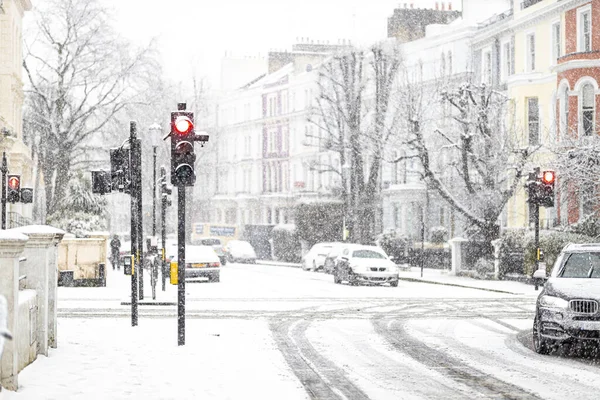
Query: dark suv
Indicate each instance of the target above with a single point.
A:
(567, 308)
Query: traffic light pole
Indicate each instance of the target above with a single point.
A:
(181, 265)
(163, 218)
(134, 242)
(536, 216)
(4, 170)
(140, 226)
(154, 193)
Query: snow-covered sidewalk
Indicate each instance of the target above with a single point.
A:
(108, 359)
(443, 277)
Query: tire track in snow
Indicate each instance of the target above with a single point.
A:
(321, 378)
(448, 365)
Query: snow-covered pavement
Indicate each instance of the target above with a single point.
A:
(267, 332)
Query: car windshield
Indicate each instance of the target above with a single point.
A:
(367, 254)
(581, 265)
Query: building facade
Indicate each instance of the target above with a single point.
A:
(18, 154)
(266, 145)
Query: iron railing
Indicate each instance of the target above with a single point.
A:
(16, 220)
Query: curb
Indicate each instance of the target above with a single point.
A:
(278, 264)
(457, 285)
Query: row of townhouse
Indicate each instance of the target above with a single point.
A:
(266, 148)
(543, 55)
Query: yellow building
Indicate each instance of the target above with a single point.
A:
(537, 27)
(518, 52)
(11, 102)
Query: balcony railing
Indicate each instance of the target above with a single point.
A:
(529, 3)
(16, 220)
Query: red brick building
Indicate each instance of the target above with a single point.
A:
(578, 100)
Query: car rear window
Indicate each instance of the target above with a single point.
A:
(367, 254)
(581, 265)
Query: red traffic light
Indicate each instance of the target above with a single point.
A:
(14, 182)
(183, 125)
(548, 177)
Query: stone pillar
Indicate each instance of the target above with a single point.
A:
(496, 243)
(40, 268)
(53, 290)
(11, 247)
(456, 245)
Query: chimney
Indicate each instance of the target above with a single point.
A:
(450, 6)
(412, 5)
(437, 5)
(443, 6)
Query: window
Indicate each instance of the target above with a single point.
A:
(584, 40)
(556, 50)
(487, 68)
(443, 64)
(563, 105)
(507, 58)
(530, 52)
(247, 146)
(285, 140)
(272, 141)
(587, 109)
(533, 120)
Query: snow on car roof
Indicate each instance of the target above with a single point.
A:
(195, 253)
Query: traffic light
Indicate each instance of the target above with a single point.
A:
(182, 148)
(546, 189)
(13, 195)
(26, 195)
(540, 188)
(101, 182)
(120, 170)
(165, 191)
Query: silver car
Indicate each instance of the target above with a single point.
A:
(567, 307)
(365, 264)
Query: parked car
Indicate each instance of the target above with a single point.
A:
(201, 262)
(217, 246)
(314, 260)
(332, 258)
(241, 251)
(365, 264)
(567, 307)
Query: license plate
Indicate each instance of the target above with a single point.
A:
(198, 265)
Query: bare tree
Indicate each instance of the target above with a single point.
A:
(472, 160)
(355, 112)
(80, 76)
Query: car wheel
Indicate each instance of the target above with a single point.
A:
(224, 261)
(540, 345)
(352, 279)
(215, 278)
(394, 283)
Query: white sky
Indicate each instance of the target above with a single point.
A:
(199, 32)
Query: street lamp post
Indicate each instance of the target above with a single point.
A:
(154, 134)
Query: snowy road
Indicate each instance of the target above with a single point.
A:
(267, 332)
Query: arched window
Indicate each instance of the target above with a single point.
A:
(588, 100)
